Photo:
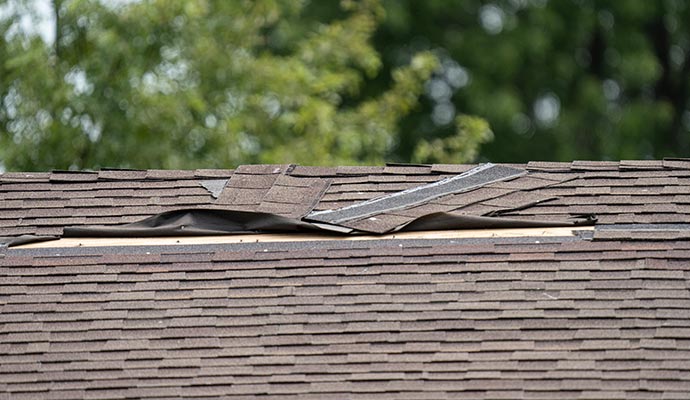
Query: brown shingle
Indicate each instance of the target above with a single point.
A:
(379, 223)
(265, 169)
(641, 165)
(213, 173)
(595, 165)
(676, 163)
(73, 176)
(308, 171)
(235, 196)
(548, 166)
(121, 174)
(164, 174)
(451, 168)
(251, 181)
(358, 171)
(407, 169)
(24, 176)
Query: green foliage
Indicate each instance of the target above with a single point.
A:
(174, 83)
(203, 83)
(464, 145)
(556, 79)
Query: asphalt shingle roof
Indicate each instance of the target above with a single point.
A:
(590, 316)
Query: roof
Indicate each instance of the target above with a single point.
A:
(600, 314)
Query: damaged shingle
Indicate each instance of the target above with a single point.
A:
(472, 179)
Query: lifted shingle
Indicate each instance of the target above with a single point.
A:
(477, 177)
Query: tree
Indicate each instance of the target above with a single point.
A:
(205, 83)
(559, 79)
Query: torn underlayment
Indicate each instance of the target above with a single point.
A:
(370, 216)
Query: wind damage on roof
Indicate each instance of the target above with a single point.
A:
(265, 199)
(465, 182)
(46, 204)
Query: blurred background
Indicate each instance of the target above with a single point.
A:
(216, 83)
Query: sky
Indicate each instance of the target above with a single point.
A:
(41, 22)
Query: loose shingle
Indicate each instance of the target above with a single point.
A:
(252, 181)
(300, 194)
(238, 197)
(469, 181)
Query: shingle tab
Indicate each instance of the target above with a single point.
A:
(548, 166)
(122, 174)
(677, 163)
(451, 168)
(358, 171)
(164, 174)
(308, 171)
(73, 176)
(263, 169)
(595, 165)
(641, 165)
(407, 169)
(213, 173)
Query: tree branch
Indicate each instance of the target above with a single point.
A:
(680, 137)
(56, 12)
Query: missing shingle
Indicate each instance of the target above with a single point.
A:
(214, 186)
(472, 179)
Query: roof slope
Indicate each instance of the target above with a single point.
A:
(585, 316)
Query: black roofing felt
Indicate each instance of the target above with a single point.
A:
(206, 222)
(195, 223)
(447, 221)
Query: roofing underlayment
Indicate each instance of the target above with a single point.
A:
(344, 292)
